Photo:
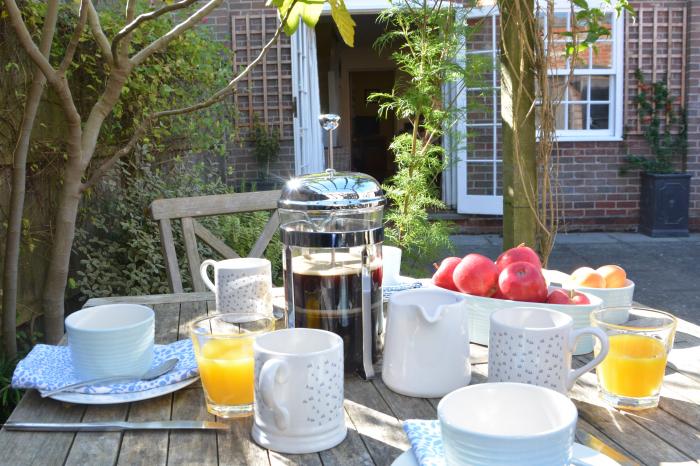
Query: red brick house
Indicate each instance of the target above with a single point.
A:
(314, 72)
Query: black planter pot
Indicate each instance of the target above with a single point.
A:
(663, 204)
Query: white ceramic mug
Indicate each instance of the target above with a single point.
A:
(391, 265)
(535, 345)
(299, 391)
(240, 285)
(426, 347)
(111, 340)
(507, 424)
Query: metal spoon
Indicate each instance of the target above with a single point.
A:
(151, 374)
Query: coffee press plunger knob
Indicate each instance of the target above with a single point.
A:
(329, 122)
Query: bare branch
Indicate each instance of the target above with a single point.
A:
(77, 32)
(97, 33)
(142, 18)
(176, 31)
(216, 97)
(25, 39)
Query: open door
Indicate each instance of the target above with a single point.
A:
(308, 140)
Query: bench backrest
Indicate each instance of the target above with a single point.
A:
(186, 209)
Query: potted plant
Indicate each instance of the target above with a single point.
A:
(266, 149)
(665, 185)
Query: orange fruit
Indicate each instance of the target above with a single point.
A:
(586, 276)
(614, 275)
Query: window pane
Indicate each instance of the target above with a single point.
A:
(578, 88)
(607, 22)
(577, 116)
(559, 122)
(480, 142)
(480, 106)
(583, 59)
(557, 57)
(603, 55)
(600, 87)
(599, 116)
(499, 179)
(560, 23)
(556, 87)
(481, 36)
(480, 178)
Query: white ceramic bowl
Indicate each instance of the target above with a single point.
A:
(612, 297)
(507, 424)
(480, 310)
(111, 340)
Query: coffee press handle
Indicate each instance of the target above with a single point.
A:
(205, 275)
(604, 347)
(274, 372)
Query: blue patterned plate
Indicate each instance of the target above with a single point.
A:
(114, 398)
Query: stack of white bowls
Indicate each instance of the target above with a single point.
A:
(111, 340)
(507, 424)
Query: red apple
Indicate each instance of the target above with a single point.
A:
(580, 298)
(522, 281)
(476, 275)
(443, 274)
(498, 295)
(559, 296)
(520, 253)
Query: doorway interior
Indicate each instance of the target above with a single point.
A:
(347, 76)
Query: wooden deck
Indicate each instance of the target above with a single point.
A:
(668, 434)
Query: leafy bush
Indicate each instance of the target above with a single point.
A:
(118, 245)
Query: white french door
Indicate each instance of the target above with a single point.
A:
(308, 138)
(479, 165)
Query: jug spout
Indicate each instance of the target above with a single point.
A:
(431, 314)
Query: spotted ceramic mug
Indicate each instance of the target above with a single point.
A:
(240, 285)
(534, 346)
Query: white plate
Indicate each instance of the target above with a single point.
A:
(583, 456)
(114, 398)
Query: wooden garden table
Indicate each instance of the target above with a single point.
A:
(373, 413)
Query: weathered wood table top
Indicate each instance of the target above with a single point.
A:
(667, 435)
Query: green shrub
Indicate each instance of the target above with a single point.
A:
(118, 247)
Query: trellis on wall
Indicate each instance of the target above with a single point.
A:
(655, 43)
(266, 92)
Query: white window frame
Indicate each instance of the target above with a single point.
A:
(618, 73)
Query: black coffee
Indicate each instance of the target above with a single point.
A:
(328, 295)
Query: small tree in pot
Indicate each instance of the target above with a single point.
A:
(665, 185)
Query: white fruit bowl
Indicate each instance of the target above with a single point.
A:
(480, 310)
(612, 297)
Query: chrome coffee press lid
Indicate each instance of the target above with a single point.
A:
(331, 190)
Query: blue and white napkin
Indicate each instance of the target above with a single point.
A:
(426, 441)
(49, 367)
(388, 290)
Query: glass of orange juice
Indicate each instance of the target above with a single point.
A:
(223, 346)
(631, 375)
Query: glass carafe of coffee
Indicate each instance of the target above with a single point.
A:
(331, 227)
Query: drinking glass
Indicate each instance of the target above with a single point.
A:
(631, 375)
(223, 346)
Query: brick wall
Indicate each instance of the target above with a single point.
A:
(594, 194)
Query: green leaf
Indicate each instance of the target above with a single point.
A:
(343, 21)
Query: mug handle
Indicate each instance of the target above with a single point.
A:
(603, 337)
(205, 275)
(274, 372)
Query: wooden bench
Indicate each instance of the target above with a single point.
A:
(187, 209)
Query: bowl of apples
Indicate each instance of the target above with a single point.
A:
(515, 279)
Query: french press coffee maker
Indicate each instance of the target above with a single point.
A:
(331, 225)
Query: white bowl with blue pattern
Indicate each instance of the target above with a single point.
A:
(111, 340)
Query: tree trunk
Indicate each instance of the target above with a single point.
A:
(517, 94)
(57, 273)
(19, 173)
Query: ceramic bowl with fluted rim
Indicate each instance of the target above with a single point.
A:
(507, 424)
(111, 340)
(612, 297)
(481, 308)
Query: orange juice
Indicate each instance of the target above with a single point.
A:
(226, 369)
(634, 367)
